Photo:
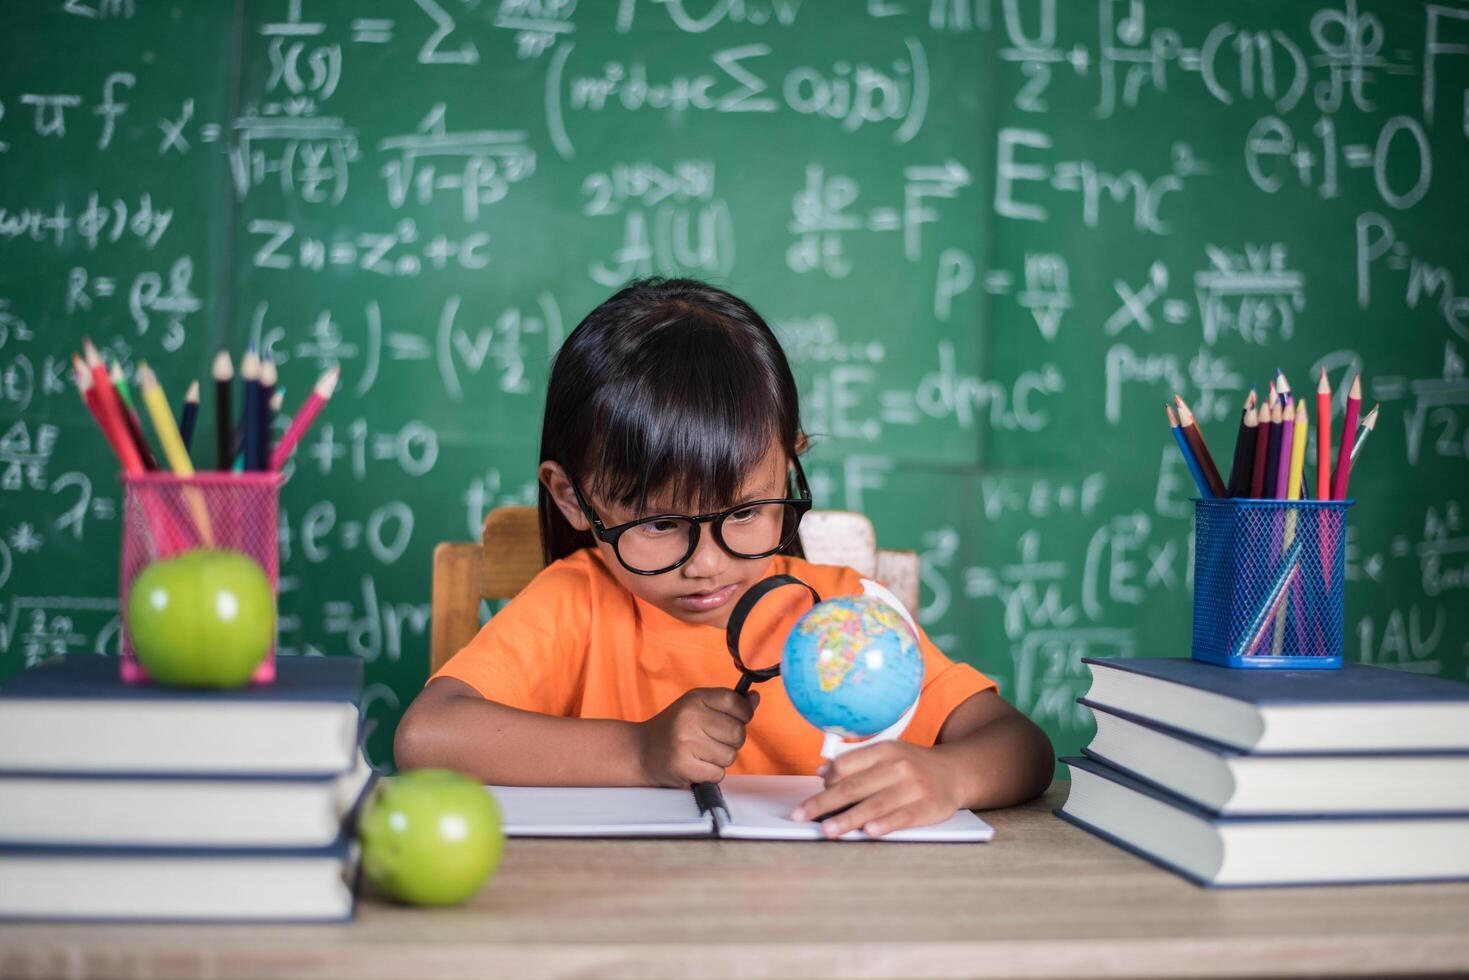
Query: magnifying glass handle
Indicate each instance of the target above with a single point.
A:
(743, 687)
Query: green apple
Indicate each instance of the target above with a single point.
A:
(430, 836)
(204, 618)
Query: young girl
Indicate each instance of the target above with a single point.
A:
(669, 484)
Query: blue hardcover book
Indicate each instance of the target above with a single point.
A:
(1354, 709)
(1278, 850)
(73, 714)
(1225, 780)
(179, 884)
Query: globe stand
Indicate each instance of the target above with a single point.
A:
(833, 745)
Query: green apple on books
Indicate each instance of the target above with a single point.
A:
(202, 618)
(1273, 777)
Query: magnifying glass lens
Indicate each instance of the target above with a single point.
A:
(761, 621)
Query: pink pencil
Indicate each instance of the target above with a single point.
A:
(321, 393)
(1287, 434)
(1348, 433)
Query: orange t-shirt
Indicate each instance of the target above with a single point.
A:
(575, 643)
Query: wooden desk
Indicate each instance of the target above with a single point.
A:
(1043, 898)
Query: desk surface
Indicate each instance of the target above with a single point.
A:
(1043, 898)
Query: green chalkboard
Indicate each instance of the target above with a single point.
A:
(993, 237)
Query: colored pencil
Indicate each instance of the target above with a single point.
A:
(163, 424)
(321, 393)
(1190, 427)
(1287, 447)
(1323, 438)
(1275, 594)
(268, 377)
(1244, 449)
(1363, 431)
(130, 420)
(1187, 451)
(1282, 386)
(1272, 452)
(1344, 451)
(190, 416)
(1262, 446)
(223, 372)
(111, 410)
(250, 417)
(120, 384)
(173, 448)
(237, 449)
(85, 388)
(1299, 428)
(1298, 454)
(1262, 451)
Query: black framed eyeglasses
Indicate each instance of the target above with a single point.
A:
(660, 543)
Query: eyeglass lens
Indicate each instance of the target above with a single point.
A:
(748, 532)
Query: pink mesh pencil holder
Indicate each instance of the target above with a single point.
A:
(165, 515)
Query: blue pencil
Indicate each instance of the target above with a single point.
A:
(1188, 454)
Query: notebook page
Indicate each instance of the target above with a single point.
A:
(557, 811)
(759, 808)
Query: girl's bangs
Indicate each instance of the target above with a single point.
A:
(681, 430)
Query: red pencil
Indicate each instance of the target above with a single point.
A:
(1323, 438)
(83, 381)
(110, 410)
(1344, 450)
(321, 393)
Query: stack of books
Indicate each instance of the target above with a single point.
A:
(1276, 777)
(141, 802)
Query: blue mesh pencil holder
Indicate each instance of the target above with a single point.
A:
(1269, 580)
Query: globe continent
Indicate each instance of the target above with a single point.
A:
(852, 666)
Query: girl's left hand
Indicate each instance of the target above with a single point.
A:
(888, 786)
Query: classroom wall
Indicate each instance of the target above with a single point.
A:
(993, 236)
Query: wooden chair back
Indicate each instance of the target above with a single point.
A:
(508, 555)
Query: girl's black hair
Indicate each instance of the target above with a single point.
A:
(670, 385)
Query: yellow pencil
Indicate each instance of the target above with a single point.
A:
(1293, 492)
(173, 447)
(163, 424)
(1297, 460)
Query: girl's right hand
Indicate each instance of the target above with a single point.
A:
(695, 738)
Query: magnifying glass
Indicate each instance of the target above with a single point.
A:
(760, 630)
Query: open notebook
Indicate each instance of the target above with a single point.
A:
(740, 807)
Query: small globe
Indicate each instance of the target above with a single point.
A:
(852, 666)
